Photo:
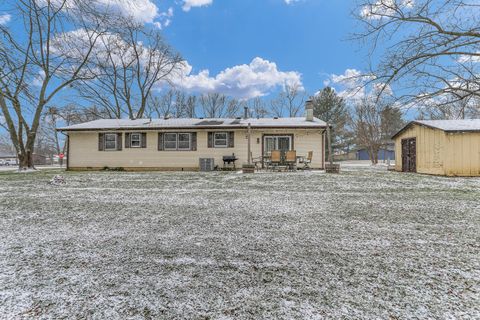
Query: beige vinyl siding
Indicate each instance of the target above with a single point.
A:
(440, 153)
(84, 152)
(430, 144)
(463, 156)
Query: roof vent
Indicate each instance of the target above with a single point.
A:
(238, 118)
(276, 118)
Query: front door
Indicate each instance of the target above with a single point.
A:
(409, 155)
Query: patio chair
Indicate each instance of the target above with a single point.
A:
(275, 159)
(291, 159)
(257, 161)
(307, 161)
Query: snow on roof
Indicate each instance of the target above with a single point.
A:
(192, 123)
(453, 125)
(446, 125)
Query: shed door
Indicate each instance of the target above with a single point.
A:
(409, 155)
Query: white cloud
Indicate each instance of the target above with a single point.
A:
(143, 11)
(165, 19)
(188, 4)
(38, 79)
(291, 1)
(350, 77)
(140, 10)
(385, 8)
(5, 18)
(243, 81)
(351, 85)
(470, 58)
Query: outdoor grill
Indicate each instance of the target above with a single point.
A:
(228, 160)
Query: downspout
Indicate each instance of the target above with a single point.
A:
(323, 150)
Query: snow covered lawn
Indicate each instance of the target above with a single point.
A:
(363, 244)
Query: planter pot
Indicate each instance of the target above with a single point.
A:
(248, 168)
(332, 168)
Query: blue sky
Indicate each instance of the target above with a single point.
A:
(306, 36)
(251, 48)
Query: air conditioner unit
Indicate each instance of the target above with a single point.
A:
(207, 164)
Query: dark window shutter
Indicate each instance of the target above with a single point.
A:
(231, 139)
(101, 141)
(144, 140)
(210, 139)
(194, 141)
(119, 141)
(127, 140)
(160, 141)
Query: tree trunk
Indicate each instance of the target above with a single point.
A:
(25, 160)
(373, 153)
(329, 138)
(370, 155)
(25, 155)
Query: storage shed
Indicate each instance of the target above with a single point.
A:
(440, 147)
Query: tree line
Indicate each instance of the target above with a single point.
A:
(113, 65)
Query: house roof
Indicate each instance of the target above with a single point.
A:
(194, 123)
(466, 125)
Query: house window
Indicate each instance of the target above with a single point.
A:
(177, 141)
(282, 143)
(170, 141)
(110, 141)
(184, 141)
(135, 140)
(220, 140)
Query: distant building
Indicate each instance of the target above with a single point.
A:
(441, 147)
(8, 156)
(384, 154)
(38, 159)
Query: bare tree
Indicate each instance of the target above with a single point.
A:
(39, 61)
(258, 108)
(289, 102)
(374, 122)
(128, 64)
(433, 47)
(172, 103)
(187, 105)
(49, 139)
(467, 108)
(217, 105)
(161, 106)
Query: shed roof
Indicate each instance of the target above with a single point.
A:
(194, 123)
(465, 125)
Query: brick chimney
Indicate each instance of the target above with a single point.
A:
(309, 110)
